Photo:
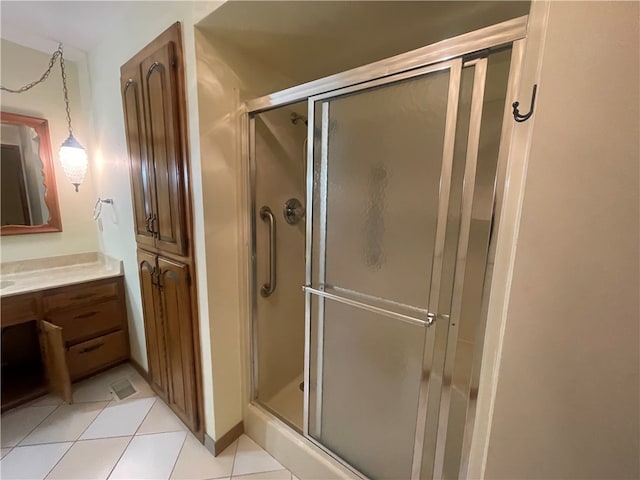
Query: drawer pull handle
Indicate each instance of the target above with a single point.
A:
(92, 348)
(85, 315)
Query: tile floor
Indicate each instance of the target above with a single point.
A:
(99, 437)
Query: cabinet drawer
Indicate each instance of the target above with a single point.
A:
(89, 321)
(18, 309)
(84, 358)
(79, 295)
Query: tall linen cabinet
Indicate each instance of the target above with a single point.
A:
(153, 99)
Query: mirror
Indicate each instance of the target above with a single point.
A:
(28, 196)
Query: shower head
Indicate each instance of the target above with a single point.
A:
(295, 118)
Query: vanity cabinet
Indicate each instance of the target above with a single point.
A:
(151, 103)
(166, 299)
(53, 337)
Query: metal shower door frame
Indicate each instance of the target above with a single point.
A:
(511, 32)
(454, 67)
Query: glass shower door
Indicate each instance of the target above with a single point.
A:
(379, 180)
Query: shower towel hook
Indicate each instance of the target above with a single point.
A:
(517, 116)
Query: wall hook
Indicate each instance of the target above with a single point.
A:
(517, 116)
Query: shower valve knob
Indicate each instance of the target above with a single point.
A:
(293, 211)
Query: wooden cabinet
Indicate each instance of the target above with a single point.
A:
(80, 329)
(171, 343)
(151, 102)
(153, 324)
(141, 170)
(92, 355)
(173, 284)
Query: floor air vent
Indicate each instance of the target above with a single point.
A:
(123, 389)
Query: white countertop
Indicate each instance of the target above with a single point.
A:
(44, 273)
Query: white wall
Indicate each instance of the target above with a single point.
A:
(567, 397)
(19, 66)
(146, 20)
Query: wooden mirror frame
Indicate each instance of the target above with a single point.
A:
(41, 126)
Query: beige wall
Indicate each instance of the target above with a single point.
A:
(225, 79)
(146, 20)
(567, 402)
(19, 66)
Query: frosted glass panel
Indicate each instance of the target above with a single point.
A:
(383, 150)
(371, 376)
(468, 335)
(378, 157)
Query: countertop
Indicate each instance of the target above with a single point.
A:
(51, 272)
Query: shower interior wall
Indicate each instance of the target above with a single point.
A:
(279, 173)
(248, 49)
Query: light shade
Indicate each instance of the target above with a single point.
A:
(74, 160)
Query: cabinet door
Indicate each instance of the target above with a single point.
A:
(55, 361)
(153, 324)
(176, 303)
(165, 149)
(141, 179)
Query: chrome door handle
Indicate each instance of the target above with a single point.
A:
(267, 215)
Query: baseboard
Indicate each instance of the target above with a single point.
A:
(216, 447)
(138, 368)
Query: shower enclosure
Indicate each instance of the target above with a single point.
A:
(372, 251)
(278, 185)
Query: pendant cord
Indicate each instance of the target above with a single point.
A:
(45, 75)
(29, 86)
(66, 94)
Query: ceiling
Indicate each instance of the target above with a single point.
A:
(254, 27)
(79, 25)
(306, 40)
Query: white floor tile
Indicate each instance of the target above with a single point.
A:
(150, 456)
(119, 419)
(94, 389)
(33, 462)
(277, 475)
(46, 400)
(4, 452)
(98, 388)
(90, 459)
(197, 463)
(160, 420)
(66, 424)
(142, 387)
(18, 423)
(250, 458)
(127, 371)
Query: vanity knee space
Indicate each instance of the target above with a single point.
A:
(81, 329)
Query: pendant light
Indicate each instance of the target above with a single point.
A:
(73, 156)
